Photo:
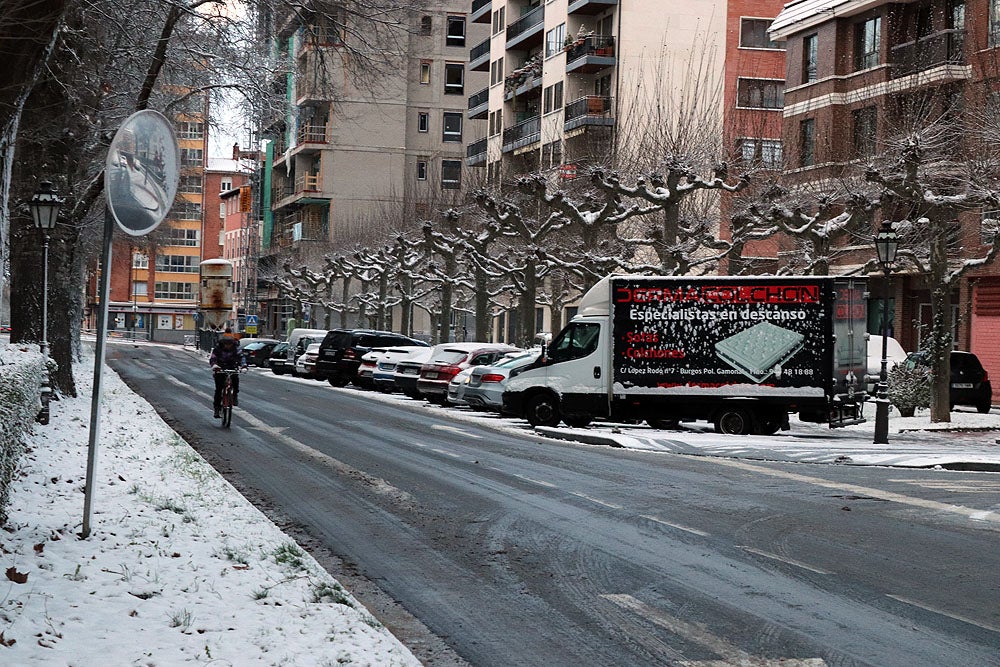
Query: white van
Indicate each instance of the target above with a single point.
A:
(299, 340)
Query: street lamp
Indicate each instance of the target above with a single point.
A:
(44, 207)
(886, 245)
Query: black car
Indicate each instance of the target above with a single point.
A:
(278, 361)
(258, 352)
(341, 351)
(970, 383)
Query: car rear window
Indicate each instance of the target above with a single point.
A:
(449, 357)
(966, 362)
(337, 339)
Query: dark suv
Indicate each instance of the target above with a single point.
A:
(341, 351)
(970, 383)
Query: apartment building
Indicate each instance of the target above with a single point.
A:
(355, 154)
(858, 69)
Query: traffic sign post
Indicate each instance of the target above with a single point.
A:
(251, 324)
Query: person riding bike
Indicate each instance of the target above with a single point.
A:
(226, 356)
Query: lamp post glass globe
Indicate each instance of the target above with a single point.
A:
(45, 204)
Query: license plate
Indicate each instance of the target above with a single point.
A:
(961, 385)
(431, 375)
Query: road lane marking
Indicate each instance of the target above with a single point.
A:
(533, 481)
(960, 486)
(595, 500)
(976, 514)
(377, 484)
(455, 429)
(696, 633)
(934, 610)
(446, 453)
(674, 525)
(782, 559)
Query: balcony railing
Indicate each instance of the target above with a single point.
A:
(479, 50)
(589, 110)
(945, 47)
(593, 45)
(313, 134)
(533, 18)
(308, 182)
(475, 153)
(479, 4)
(523, 134)
(480, 98)
(589, 6)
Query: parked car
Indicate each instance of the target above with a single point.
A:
(484, 390)
(449, 359)
(278, 361)
(367, 368)
(384, 375)
(407, 372)
(299, 341)
(970, 383)
(456, 388)
(305, 365)
(894, 353)
(341, 351)
(258, 351)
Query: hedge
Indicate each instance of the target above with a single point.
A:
(20, 383)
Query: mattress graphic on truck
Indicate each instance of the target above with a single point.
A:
(760, 351)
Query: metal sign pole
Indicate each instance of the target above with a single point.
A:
(95, 399)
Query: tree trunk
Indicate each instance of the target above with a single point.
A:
(669, 230)
(941, 342)
(345, 299)
(526, 306)
(447, 294)
(482, 297)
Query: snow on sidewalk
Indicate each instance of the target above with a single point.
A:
(179, 568)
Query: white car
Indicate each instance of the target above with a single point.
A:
(367, 368)
(305, 365)
(384, 375)
(484, 391)
(456, 388)
(894, 354)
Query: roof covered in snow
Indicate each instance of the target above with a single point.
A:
(804, 14)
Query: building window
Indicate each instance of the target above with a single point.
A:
(190, 184)
(867, 43)
(456, 31)
(187, 211)
(760, 93)
(552, 98)
(496, 71)
(421, 170)
(496, 122)
(555, 40)
(140, 288)
(181, 237)
(177, 263)
(189, 130)
(452, 130)
(764, 152)
(426, 23)
(171, 290)
(753, 34)
(994, 22)
(191, 157)
(425, 71)
(423, 121)
(454, 79)
(810, 53)
(225, 184)
(807, 142)
(865, 127)
(140, 261)
(552, 154)
(499, 21)
(451, 174)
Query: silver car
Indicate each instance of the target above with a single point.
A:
(484, 390)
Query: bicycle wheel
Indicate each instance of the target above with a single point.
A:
(227, 406)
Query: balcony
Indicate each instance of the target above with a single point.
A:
(528, 86)
(479, 56)
(313, 134)
(523, 134)
(945, 47)
(526, 32)
(590, 54)
(589, 111)
(306, 188)
(481, 11)
(589, 7)
(475, 153)
(304, 224)
(479, 104)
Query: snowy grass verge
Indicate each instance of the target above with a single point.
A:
(20, 382)
(179, 568)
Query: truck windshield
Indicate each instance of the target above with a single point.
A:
(575, 341)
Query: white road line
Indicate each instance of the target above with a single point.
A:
(961, 486)
(674, 525)
(536, 481)
(378, 484)
(595, 500)
(729, 654)
(788, 561)
(864, 491)
(446, 453)
(454, 429)
(933, 610)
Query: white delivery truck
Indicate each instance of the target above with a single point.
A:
(740, 352)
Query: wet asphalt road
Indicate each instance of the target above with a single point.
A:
(515, 550)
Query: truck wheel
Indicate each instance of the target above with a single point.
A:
(543, 410)
(663, 424)
(733, 421)
(577, 421)
(337, 381)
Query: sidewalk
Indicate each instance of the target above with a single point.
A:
(971, 441)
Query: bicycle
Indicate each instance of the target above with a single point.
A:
(228, 397)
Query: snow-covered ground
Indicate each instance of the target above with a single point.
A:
(180, 568)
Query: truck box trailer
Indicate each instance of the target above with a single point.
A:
(740, 352)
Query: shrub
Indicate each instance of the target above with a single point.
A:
(20, 384)
(909, 388)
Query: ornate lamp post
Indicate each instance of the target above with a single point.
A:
(44, 206)
(886, 244)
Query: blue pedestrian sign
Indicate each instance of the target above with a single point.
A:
(251, 320)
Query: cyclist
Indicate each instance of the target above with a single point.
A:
(226, 356)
